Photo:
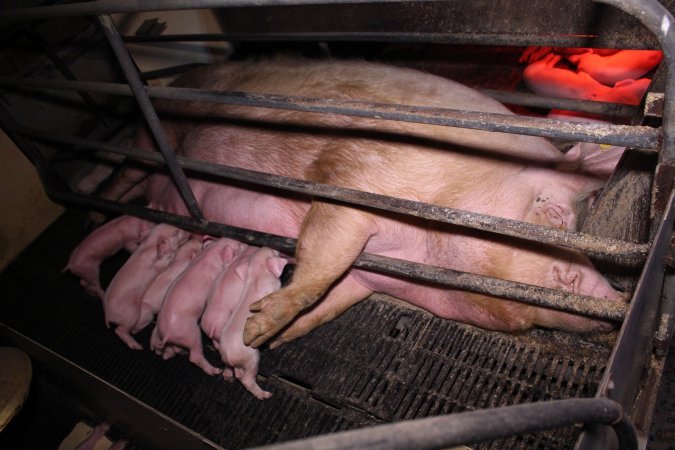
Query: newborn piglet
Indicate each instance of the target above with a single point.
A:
(259, 271)
(223, 298)
(153, 297)
(122, 299)
(185, 301)
(123, 232)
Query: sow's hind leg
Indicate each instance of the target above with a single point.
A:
(331, 238)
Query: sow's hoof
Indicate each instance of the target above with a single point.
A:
(270, 315)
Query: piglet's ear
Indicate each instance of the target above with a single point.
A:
(227, 254)
(276, 266)
(242, 270)
(163, 247)
(556, 215)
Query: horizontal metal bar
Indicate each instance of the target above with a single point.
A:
(513, 98)
(127, 6)
(632, 253)
(538, 101)
(471, 427)
(622, 135)
(564, 301)
(558, 40)
(507, 39)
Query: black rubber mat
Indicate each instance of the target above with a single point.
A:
(380, 362)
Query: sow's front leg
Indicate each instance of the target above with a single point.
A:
(330, 239)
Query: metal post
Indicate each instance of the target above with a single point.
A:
(150, 115)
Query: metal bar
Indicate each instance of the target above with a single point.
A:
(64, 69)
(120, 409)
(631, 252)
(451, 430)
(633, 348)
(656, 18)
(622, 135)
(128, 6)
(538, 101)
(169, 71)
(557, 40)
(136, 86)
(517, 39)
(664, 332)
(564, 301)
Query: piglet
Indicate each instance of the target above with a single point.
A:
(544, 78)
(619, 66)
(122, 299)
(223, 298)
(123, 232)
(185, 301)
(153, 297)
(259, 271)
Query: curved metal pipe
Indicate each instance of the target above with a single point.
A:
(476, 426)
(657, 19)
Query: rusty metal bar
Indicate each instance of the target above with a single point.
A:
(564, 301)
(471, 427)
(657, 19)
(518, 39)
(137, 88)
(539, 101)
(622, 135)
(128, 6)
(632, 253)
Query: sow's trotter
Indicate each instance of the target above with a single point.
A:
(503, 175)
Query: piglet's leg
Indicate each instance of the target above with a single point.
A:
(247, 378)
(197, 353)
(125, 335)
(346, 293)
(330, 239)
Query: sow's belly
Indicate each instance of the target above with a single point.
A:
(233, 205)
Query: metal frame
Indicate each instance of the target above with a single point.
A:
(628, 358)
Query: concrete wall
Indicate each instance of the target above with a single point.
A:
(25, 210)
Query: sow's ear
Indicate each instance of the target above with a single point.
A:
(567, 278)
(554, 214)
(594, 159)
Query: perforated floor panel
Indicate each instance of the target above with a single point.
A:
(380, 362)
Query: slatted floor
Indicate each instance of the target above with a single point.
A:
(380, 362)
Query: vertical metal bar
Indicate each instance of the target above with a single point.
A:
(633, 347)
(136, 85)
(656, 18)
